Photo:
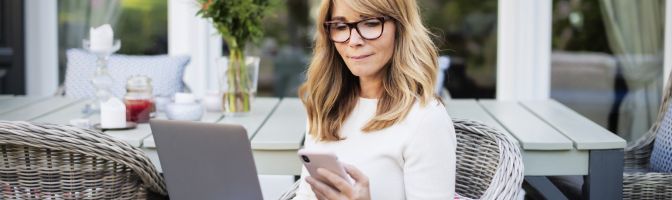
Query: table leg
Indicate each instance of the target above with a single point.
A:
(605, 175)
(544, 187)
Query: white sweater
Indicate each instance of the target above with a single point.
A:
(413, 159)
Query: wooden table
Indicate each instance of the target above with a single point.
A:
(276, 127)
(554, 141)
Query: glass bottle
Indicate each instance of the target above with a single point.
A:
(138, 99)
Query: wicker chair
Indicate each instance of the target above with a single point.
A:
(638, 181)
(489, 164)
(47, 161)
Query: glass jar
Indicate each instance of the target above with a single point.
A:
(138, 99)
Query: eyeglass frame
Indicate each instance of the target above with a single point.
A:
(352, 25)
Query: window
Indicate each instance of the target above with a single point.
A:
(141, 25)
(467, 33)
(607, 61)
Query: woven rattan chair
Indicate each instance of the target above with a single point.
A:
(638, 181)
(47, 161)
(489, 164)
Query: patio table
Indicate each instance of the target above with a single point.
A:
(275, 127)
(554, 139)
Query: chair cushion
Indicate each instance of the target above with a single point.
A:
(165, 71)
(661, 156)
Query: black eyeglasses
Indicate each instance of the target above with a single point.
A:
(369, 29)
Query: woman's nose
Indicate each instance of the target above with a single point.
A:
(355, 38)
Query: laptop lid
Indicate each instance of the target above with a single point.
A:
(205, 160)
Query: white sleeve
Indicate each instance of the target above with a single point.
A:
(429, 158)
(305, 192)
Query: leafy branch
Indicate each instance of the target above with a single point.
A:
(238, 21)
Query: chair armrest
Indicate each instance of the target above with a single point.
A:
(638, 152)
(647, 185)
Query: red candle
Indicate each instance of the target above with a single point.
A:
(138, 110)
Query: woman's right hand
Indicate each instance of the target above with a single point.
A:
(343, 190)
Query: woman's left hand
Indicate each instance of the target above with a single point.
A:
(343, 189)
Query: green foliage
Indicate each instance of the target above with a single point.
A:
(143, 27)
(238, 21)
(589, 35)
(465, 29)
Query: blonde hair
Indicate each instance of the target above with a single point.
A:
(331, 91)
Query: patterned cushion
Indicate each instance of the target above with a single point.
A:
(165, 71)
(661, 156)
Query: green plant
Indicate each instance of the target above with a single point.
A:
(238, 22)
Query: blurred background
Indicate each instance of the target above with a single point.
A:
(606, 61)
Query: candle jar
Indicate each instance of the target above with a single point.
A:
(138, 99)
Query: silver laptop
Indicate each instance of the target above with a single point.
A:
(206, 161)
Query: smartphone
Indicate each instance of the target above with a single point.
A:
(314, 160)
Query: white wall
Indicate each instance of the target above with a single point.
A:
(41, 32)
(191, 35)
(523, 49)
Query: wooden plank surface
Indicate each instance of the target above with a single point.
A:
(285, 129)
(63, 116)
(261, 110)
(38, 109)
(8, 105)
(584, 133)
(262, 107)
(134, 137)
(471, 110)
(208, 117)
(532, 132)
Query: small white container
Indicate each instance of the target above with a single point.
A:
(212, 101)
(112, 113)
(184, 108)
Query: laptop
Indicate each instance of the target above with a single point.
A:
(206, 161)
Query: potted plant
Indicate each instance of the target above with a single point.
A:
(238, 22)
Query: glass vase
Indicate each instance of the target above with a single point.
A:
(238, 84)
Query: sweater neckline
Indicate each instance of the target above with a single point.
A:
(368, 100)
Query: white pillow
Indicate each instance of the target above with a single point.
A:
(165, 71)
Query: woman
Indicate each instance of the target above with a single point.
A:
(370, 100)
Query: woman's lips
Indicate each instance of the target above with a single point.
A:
(362, 57)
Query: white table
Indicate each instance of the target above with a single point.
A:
(275, 127)
(554, 141)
